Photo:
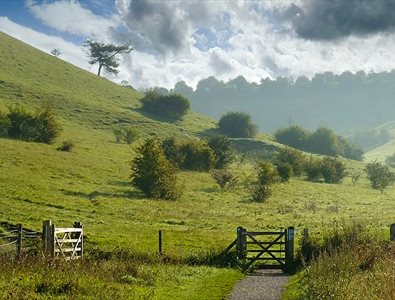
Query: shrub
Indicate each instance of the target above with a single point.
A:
(313, 169)
(128, 134)
(284, 171)
(39, 127)
(261, 188)
(172, 151)
(224, 178)
(237, 125)
(118, 133)
(294, 136)
(153, 174)
(169, 106)
(332, 169)
(198, 156)
(46, 126)
(324, 141)
(222, 148)
(5, 124)
(379, 175)
(292, 157)
(66, 146)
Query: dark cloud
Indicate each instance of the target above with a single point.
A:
(165, 26)
(333, 19)
(220, 64)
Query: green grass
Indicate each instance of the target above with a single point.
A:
(91, 183)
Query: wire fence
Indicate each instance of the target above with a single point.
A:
(20, 241)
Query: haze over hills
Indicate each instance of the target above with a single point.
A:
(349, 103)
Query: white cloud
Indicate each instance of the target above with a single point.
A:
(71, 17)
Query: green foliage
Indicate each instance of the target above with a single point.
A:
(198, 156)
(39, 127)
(189, 154)
(126, 134)
(105, 55)
(322, 141)
(294, 136)
(172, 106)
(313, 169)
(237, 125)
(284, 171)
(261, 188)
(222, 148)
(379, 175)
(224, 178)
(66, 146)
(292, 157)
(153, 174)
(333, 170)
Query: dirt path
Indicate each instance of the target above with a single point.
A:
(262, 285)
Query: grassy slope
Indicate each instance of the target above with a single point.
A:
(91, 184)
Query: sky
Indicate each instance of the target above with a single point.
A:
(189, 40)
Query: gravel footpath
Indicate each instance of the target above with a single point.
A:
(262, 285)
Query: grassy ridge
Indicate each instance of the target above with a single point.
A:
(92, 183)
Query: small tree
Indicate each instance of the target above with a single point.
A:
(105, 55)
(237, 125)
(56, 52)
(153, 174)
(47, 128)
(261, 188)
(379, 175)
(224, 178)
(222, 148)
(284, 171)
(332, 169)
(313, 169)
(294, 136)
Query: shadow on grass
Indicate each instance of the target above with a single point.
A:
(156, 117)
(95, 194)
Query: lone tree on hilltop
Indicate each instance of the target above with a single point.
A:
(105, 55)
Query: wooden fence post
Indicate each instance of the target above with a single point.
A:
(19, 242)
(46, 237)
(244, 243)
(160, 242)
(289, 248)
(392, 232)
(79, 225)
(52, 241)
(239, 244)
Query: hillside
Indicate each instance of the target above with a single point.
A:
(91, 184)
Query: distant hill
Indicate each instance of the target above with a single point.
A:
(347, 103)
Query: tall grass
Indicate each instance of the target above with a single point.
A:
(349, 263)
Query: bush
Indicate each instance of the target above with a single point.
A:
(39, 127)
(172, 106)
(5, 124)
(224, 178)
(261, 188)
(292, 157)
(237, 125)
(153, 174)
(294, 136)
(313, 169)
(222, 148)
(324, 141)
(66, 146)
(128, 134)
(198, 156)
(284, 171)
(379, 175)
(193, 155)
(333, 170)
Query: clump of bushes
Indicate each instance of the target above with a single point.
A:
(292, 157)
(189, 154)
(222, 149)
(172, 106)
(40, 126)
(379, 175)
(322, 141)
(331, 169)
(126, 134)
(237, 125)
(153, 174)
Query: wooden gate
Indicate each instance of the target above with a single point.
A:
(63, 242)
(265, 249)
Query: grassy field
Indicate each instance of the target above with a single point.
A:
(91, 184)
